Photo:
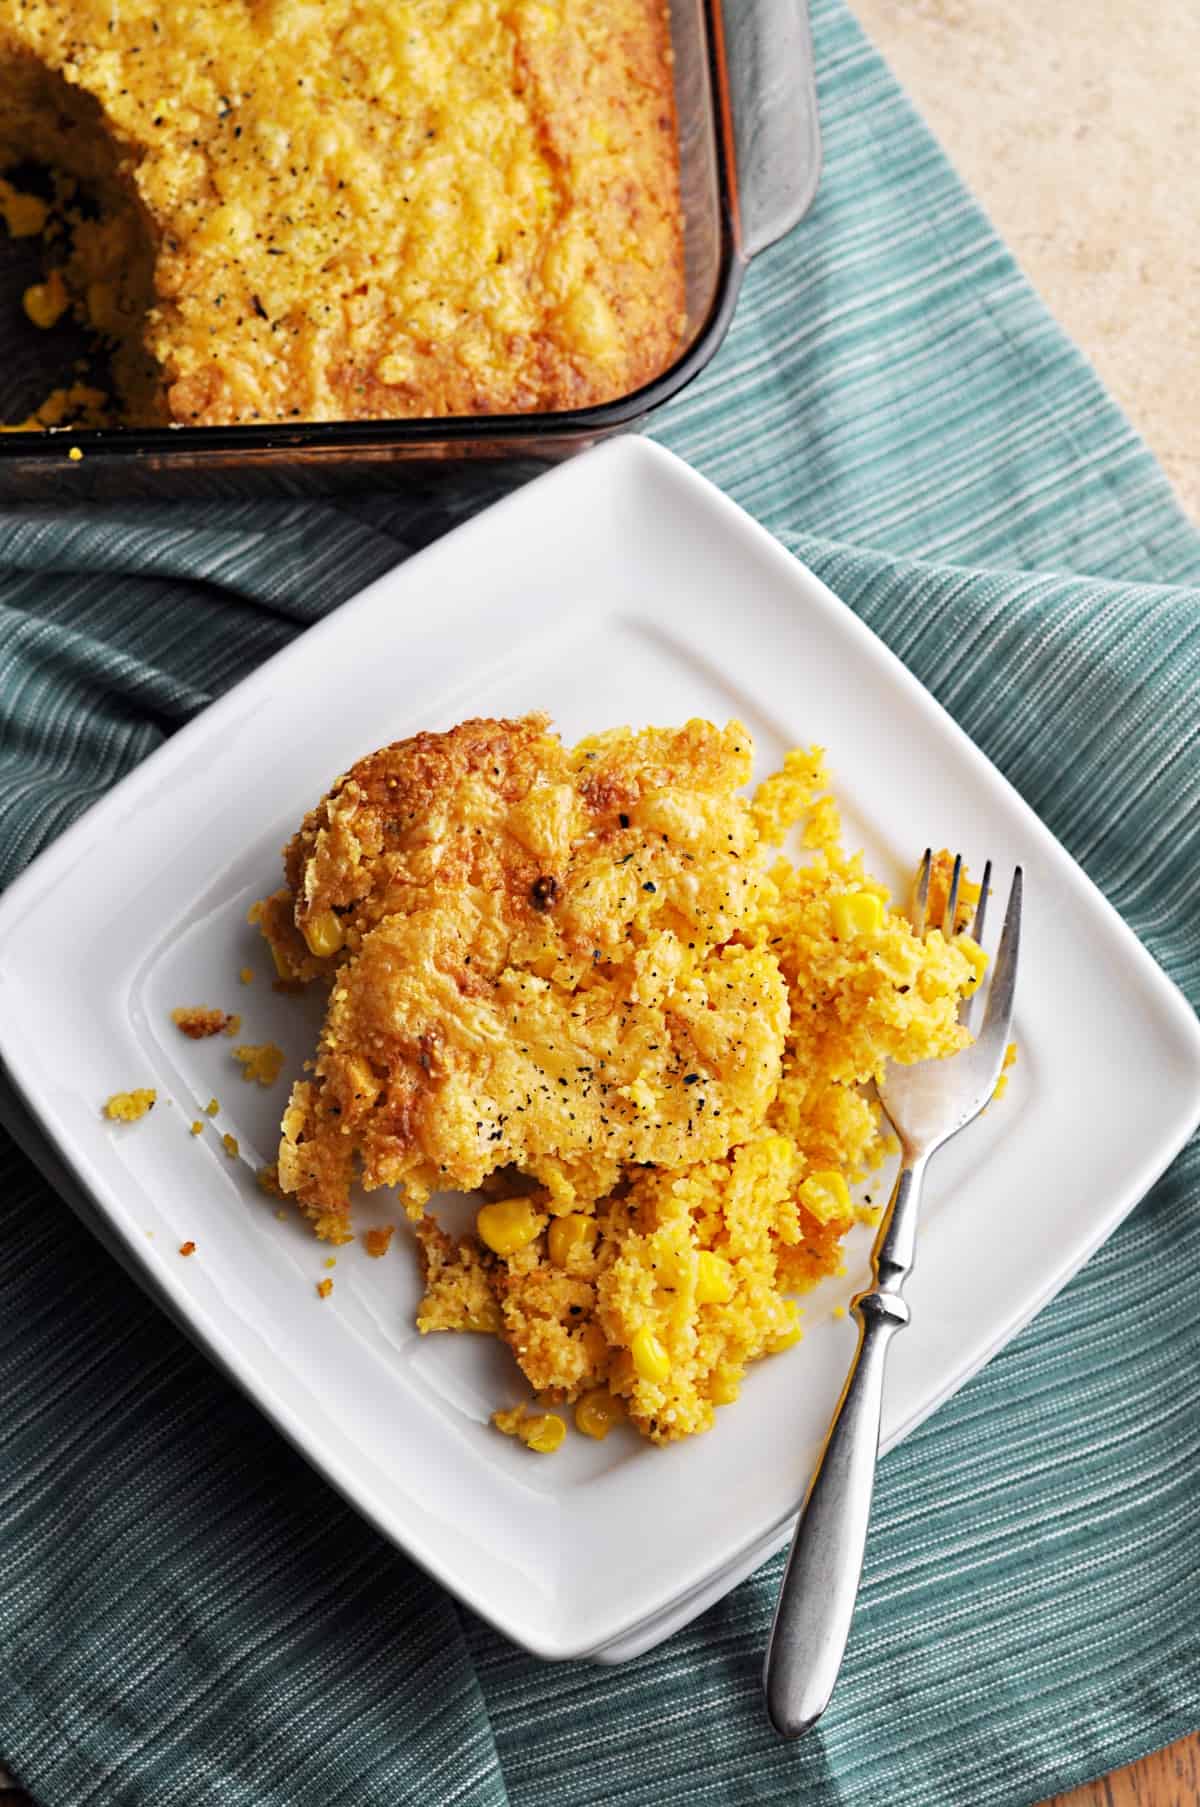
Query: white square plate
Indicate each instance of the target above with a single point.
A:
(621, 587)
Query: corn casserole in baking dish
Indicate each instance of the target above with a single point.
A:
(356, 209)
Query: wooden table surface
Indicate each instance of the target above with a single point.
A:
(1168, 1778)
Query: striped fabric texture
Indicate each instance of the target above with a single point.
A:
(187, 1614)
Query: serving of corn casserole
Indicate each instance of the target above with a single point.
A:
(585, 981)
(353, 209)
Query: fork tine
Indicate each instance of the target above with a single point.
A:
(985, 885)
(997, 1018)
(921, 895)
(966, 1009)
(952, 899)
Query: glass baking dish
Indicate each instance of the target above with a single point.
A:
(749, 160)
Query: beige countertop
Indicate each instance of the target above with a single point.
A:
(1077, 125)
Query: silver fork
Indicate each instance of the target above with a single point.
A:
(927, 1103)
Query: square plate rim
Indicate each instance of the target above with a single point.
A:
(44, 871)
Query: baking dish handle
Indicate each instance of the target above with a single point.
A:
(772, 89)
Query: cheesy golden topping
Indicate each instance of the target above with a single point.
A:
(580, 981)
(532, 960)
(335, 209)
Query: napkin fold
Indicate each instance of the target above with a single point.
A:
(187, 1613)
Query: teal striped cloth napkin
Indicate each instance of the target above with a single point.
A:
(187, 1614)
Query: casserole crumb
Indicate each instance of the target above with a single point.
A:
(127, 1107)
(197, 1021)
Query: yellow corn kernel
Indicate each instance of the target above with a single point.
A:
(24, 215)
(857, 913)
(789, 1332)
(596, 1413)
(46, 302)
(509, 1225)
(543, 1434)
(323, 933)
(395, 368)
(589, 321)
(649, 1357)
(826, 1196)
(714, 1279)
(976, 958)
(724, 1387)
(197, 1128)
(283, 968)
(573, 1235)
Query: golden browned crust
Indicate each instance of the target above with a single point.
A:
(535, 966)
(580, 981)
(415, 815)
(365, 208)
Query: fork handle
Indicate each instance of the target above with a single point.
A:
(824, 1566)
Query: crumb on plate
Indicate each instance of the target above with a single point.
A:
(127, 1107)
(261, 1062)
(198, 1021)
(542, 1432)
